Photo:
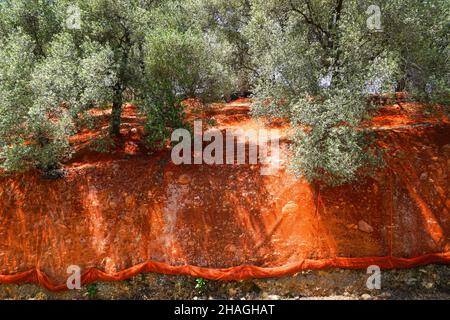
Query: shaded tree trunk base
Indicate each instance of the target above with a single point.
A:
(116, 114)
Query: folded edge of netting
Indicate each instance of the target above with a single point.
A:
(243, 272)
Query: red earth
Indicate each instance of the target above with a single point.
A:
(118, 214)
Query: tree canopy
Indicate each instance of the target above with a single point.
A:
(315, 63)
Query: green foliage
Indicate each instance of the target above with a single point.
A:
(51, 74)
(328, 146)
(102, 144)
(180, 62)
(162, 119)
(418, 33)
(74, 77)
(225, 21)
(319, 63)
(92, 291)
(43, 96)
(200, 284)
(38, 19)
(186, 64)
(29, 134)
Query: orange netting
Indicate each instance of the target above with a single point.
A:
(115, 217)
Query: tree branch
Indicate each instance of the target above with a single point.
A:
(318, 30)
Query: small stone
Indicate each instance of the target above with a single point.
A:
(113, 204)
(365, 227)
(366, 296)
(290, 207)
(446, 149)
(273, 297)
(169, 174)
(184, 179)
(375, 188)
(232, 292)
(40, 296)
(230, 248)
(424, 176)
(428, 285)
(129, 200)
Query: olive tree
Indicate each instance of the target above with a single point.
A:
(226, 21)
(320, 61)
(62, 58)
(46, 80)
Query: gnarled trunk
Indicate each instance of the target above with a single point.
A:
(116, 114)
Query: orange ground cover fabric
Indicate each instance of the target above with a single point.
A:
(117, 217)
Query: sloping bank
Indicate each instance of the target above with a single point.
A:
(115, 219)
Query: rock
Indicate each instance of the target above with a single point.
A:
(129, 200)
(113, 204)
(230, 248)
(53, 174)
(184, 179)
(428, 285)
(273, 297)
(375, 188)
(366, 296)
(290, 207)
(41, 296)
(424, 176)
(191, 243)
(365, 227)
(232, 292)
(446, 149)
(169, 174)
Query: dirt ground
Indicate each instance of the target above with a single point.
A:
(427, 282)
